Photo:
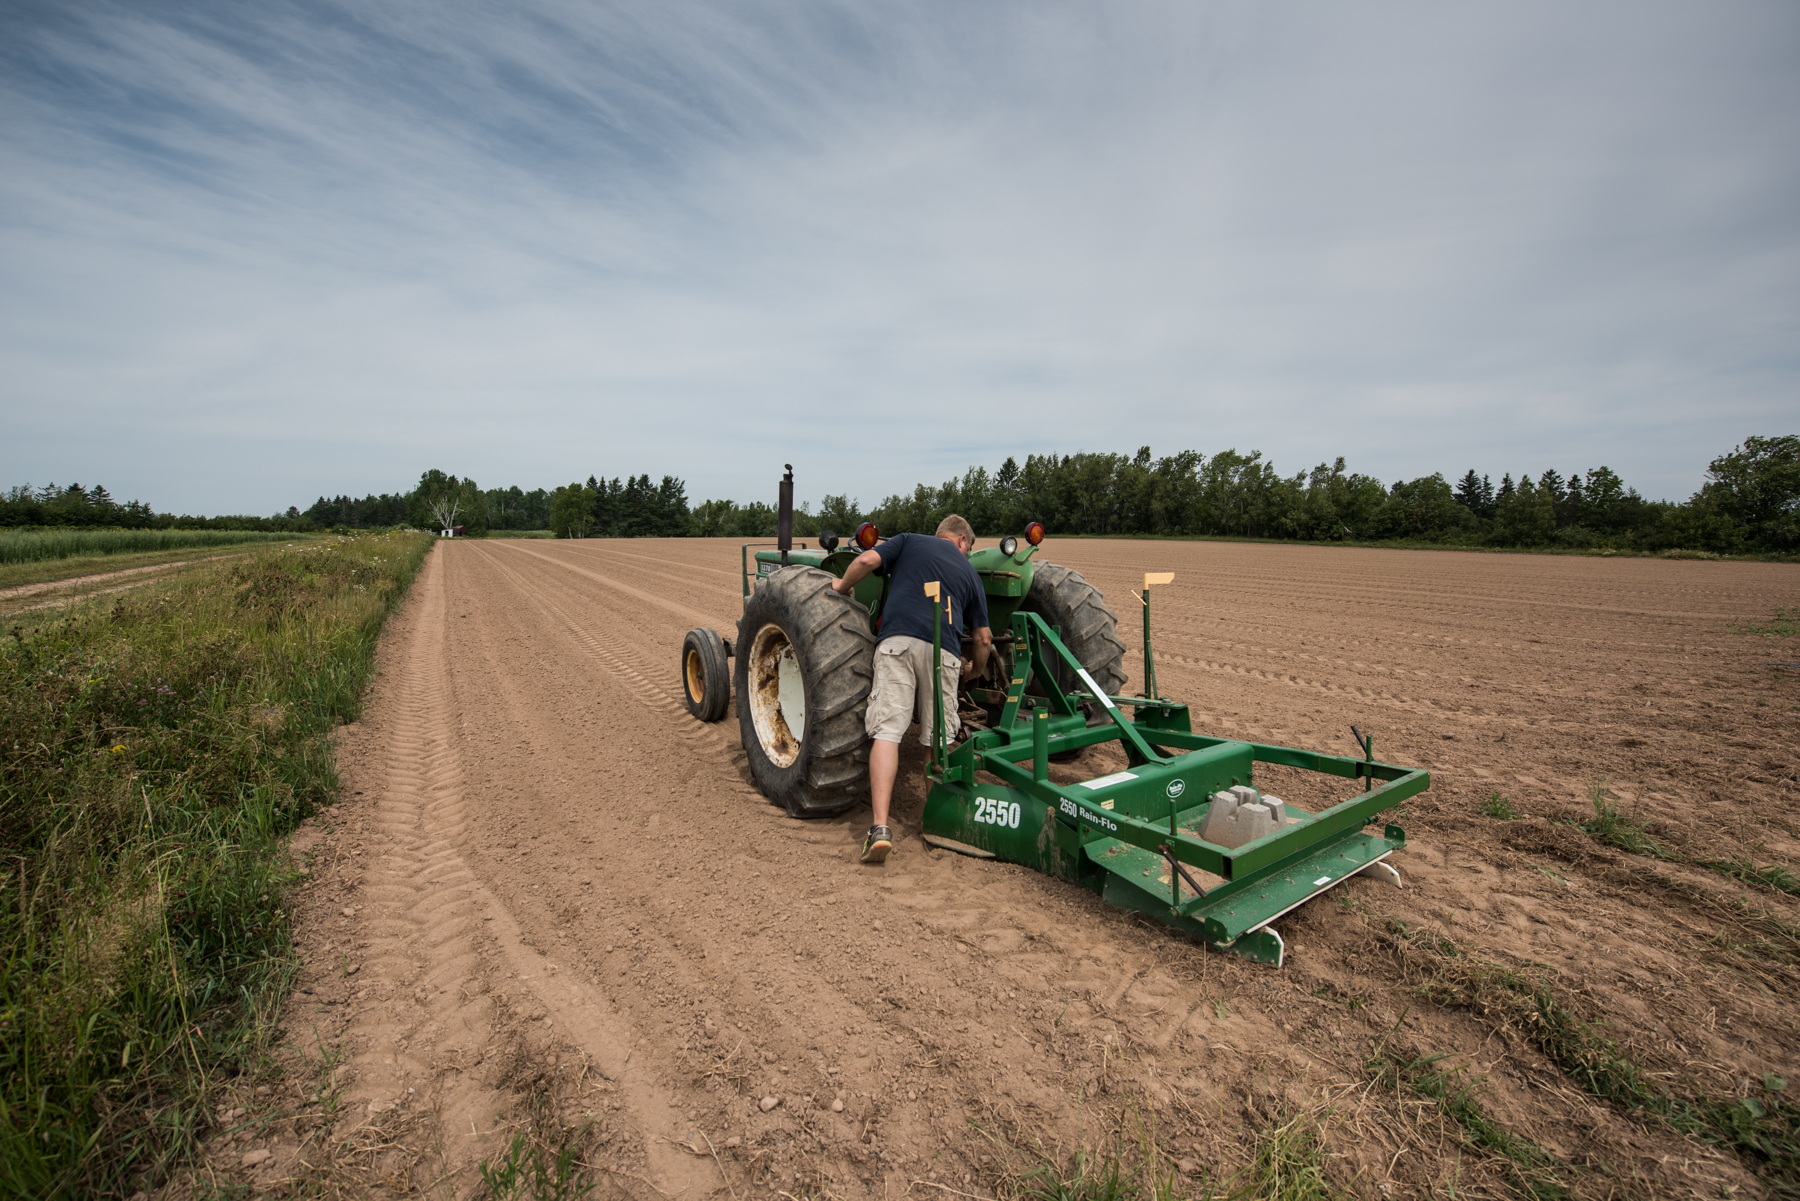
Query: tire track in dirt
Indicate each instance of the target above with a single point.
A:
(436, 927)
(638, 594)
(656, 695)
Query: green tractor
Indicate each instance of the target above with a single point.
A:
(1183, 834)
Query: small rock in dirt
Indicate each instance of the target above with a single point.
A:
(1188, 1167)
(768, 1103)
(349, 912)
(733, 1142)
(837, 1107)
(252, 1158)
(1449, 738)
(878, 925)
(262, 1090)
(351, 970)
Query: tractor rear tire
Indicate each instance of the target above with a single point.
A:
(705, 674)
(805, 659)
(1064, 598)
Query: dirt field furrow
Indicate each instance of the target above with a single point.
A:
(567, 909)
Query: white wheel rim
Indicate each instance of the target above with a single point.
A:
(777, 694)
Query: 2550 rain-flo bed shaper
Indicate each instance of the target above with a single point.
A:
(1137, 837)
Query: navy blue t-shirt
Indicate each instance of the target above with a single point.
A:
(913, 560)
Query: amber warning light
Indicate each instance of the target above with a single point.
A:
(1034, 533)
(867, 535)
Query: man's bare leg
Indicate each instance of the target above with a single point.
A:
(884, 765)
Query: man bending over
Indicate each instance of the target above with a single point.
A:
(903, 669)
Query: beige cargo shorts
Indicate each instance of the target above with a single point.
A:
(902, 690)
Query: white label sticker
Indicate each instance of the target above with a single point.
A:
(1095, 689)
(1118, 777)
(1321, 880)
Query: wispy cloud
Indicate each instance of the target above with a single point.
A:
(252, 253)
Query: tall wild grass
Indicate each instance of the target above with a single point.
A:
(151, 757)
(33, 546)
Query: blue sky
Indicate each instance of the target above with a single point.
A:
(250, 254)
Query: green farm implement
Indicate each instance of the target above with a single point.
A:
(1183, 833)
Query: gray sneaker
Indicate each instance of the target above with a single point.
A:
(876, 846)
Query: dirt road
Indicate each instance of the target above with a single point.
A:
(549, 895)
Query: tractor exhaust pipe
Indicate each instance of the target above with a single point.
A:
(784, 522)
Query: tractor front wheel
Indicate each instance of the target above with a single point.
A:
(805, 662)
(705, 674)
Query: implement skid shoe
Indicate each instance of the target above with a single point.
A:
(1134, 836)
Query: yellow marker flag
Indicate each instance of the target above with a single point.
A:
(1158, 577)
(931, 590)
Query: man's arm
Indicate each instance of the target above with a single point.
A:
(984, 641)
(859, 569)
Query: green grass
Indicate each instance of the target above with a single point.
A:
(1287, 1163)
(1613, 827)
(1786, 624)
(1497, 806)
(32, 546)
(1531, 1170)
(529, 1172)
(1776, 877)
(77, 573)
(1760, 1126)
(1104, 1178)
(157, 751)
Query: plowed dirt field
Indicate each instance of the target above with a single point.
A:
(549, 897)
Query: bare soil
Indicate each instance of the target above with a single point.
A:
(549, 897)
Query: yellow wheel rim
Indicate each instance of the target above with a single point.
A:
(696, 677)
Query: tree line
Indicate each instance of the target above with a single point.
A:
(628, 507)
(72, 506)
(1749, 503)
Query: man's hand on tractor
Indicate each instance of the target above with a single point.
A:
(854, 574)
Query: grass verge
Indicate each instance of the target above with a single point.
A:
(72, 573)
(31, 546)
(155, 753)
(1760, 1126)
